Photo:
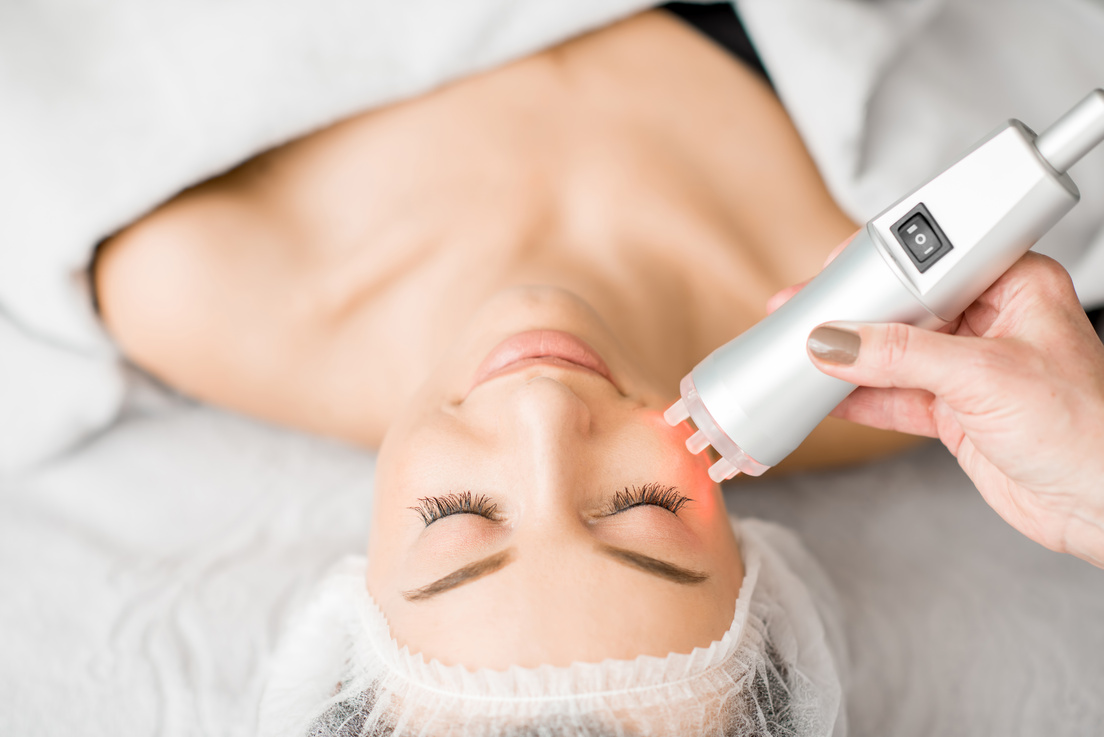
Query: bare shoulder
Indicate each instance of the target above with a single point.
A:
(206, 293)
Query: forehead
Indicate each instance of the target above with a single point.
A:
(561, 608)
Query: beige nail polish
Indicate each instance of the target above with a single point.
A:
(834, 344)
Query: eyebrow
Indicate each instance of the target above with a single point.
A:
(492, 563)
(461, 576)
(656, 567)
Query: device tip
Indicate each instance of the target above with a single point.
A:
(697, 442)
(1074, 134)
(676, 413)
(722, 470)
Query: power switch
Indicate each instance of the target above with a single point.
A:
(919, 237)
(922, 238)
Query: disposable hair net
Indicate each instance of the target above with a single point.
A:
(776, 671)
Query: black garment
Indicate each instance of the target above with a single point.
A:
(1096, 316)
(720, 22)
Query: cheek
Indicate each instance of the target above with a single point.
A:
(671, 447)
(413, 451)
(420, 458)
(392, 495)
(688, 471)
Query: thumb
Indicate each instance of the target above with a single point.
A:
(894, 355)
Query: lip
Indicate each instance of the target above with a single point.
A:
(545, 347)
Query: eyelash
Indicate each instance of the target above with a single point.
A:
(657, 495)
(433, 508)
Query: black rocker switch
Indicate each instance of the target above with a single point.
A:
(920, 235)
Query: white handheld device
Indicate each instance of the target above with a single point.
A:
(922, 261)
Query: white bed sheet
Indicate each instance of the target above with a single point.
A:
(147, 574)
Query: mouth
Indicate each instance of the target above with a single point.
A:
(543, 347)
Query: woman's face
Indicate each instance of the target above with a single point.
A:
(532, 506)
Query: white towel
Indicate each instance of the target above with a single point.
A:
(107, 110)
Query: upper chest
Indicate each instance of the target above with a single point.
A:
(641, 132)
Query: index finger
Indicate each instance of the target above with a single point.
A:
(839, 249)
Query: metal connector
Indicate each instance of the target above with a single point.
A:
(1074, 134)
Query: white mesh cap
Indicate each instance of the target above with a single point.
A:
(776, 671)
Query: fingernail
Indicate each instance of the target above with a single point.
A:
(834, 344)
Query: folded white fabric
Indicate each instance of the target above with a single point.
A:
(80, 393)
(776, 671)
(107, 110)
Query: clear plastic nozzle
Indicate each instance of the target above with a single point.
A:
(733, 459)
(676, 413)
(697, 442)
(1074, 134)
(722, 470)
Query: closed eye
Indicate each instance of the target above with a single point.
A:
(433, 508)
(657, 495)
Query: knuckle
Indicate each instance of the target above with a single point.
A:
(1051, 279)
(894, 346)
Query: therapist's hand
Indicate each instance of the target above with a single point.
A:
(1014, 388)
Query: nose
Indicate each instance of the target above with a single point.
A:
(549, 412)
(549, 432)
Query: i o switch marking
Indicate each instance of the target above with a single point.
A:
(922, 238)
